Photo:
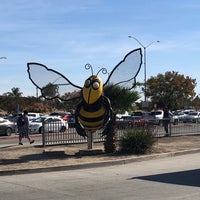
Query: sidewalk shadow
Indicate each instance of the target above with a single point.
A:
(47, 155)
(188, 178)
(36, 157)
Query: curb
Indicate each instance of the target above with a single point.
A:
(98, 164)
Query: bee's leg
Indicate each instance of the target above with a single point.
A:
(80, 130)
(109, 116)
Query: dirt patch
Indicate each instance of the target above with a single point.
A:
(30, 157)
(172, 144)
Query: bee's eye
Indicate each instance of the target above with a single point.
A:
(96, 85)
(87, 83)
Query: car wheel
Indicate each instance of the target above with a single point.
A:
(63, 129)
(175, 122)
(8, 131)
(40, 130)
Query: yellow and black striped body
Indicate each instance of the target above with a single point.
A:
(91, 117)
(94, 111)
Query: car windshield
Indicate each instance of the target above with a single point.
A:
(193, 113)
(137, 114)
(3, 121)
(181, 113)
(155, 113)
(39, 119)
(127, 118)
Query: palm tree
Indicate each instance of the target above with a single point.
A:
(122, 100)
(15, 93)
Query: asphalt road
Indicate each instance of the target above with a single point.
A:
(171, 178)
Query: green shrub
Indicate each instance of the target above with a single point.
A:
(136, 142)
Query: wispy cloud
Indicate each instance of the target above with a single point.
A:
(66, 34)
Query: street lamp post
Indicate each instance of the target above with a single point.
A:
(145, 67)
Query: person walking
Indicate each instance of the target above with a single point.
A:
(166, 120)
(23, 128)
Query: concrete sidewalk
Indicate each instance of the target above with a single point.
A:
(34, 159)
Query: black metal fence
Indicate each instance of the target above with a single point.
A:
(70, 136)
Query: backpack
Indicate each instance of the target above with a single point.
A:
(20, 121)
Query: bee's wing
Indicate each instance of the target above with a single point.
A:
(51, 83)
(125, 72)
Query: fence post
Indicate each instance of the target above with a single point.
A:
(90, 140)
(170, 128)
(43, 136)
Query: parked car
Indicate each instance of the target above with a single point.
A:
(157, 117)
(193, 117)
(141, 115)
(124, 122)
(137, 114)
(62, 115)
(33, 115)
(51, 124)
(173, 118)
(180, 115)
(130, 122)
(6, 127)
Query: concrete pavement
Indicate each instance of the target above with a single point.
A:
(166, 178)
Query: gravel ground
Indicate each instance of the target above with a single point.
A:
(34, 157)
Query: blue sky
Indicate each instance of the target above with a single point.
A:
(67, 34)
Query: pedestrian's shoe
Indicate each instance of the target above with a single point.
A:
(32, 141)
(20, 143)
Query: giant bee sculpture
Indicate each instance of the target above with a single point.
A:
(94, 111)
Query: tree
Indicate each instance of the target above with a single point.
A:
(15, 93)
(121, 99)
(50, 90)
(196, 103)
(171, 90)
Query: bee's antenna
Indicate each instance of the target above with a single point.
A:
(103, 70)
(88, 66)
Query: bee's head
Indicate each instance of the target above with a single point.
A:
(92, 89)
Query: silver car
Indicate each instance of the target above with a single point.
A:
(6, 127)
(51, 124)
(193, 117)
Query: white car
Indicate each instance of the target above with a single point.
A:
(51, 124)
(32, 115)
(182, 117)
(193, 117)
(156, 116)
(6, 127)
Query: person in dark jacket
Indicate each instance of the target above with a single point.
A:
(166, 120)
(24, 129)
